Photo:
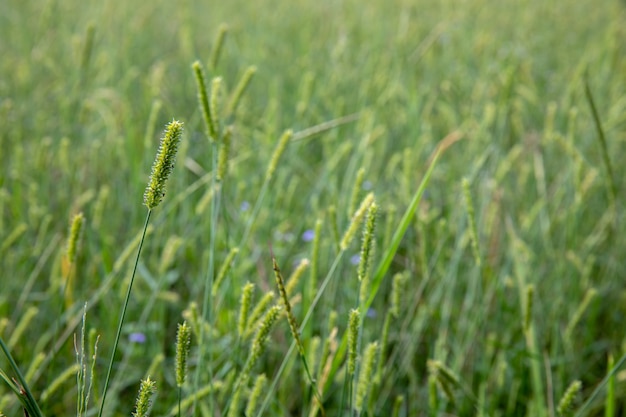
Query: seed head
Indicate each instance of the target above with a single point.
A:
(163, 164)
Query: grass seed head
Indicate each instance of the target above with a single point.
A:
(163, 164)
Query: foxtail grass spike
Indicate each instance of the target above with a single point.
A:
(353, 336)
(246, 299)
(216, 52)
(75, 231)
(203, 100)
(566, 403)
(183, 343)
(144, 399)
(356, 190)
(223, 272)
(280, 283)
(258, 345)
(256, 350)
(258, 311)
(255, 394)
(397, 288)
(355, 222)
(367, 244)
(216, 88)
(222, 159)
(365, 376)
(294, 279)
(278, 152)
(163, 164)
(243, 84)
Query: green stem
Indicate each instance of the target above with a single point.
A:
(29, 403)
(208, 285)
(123, 315)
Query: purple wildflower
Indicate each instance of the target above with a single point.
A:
(308, 235)
(355, 259)
(137, 337)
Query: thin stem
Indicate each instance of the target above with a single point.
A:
(122, 316)
(23, 388)
(208, 285)
(179, 395)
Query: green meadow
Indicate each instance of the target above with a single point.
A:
(312, 208)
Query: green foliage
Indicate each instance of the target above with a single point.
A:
(507, 246)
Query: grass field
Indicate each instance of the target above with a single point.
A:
(479, 143)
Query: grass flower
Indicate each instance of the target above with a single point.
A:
(183, 342)
(163, 164)
(144, 399)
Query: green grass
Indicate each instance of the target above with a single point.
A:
(510, 239)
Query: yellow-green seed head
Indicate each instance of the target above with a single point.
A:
(257, 390)
(246, 297)
(368, 239)
(365, 375)
(222, 31)
(216, 87)
(144, 399)
(222, 159)
(353, 337)
(294, 279)
(278, 152)
(224, 270)
(258, 345)
(163, 164)
(183, 342)
(203, 101)
(293, 326)
(258, 311)
(397, 288)
(240, 90)
(567, 401)
(356, 189)
(357, 218)
(72, 242)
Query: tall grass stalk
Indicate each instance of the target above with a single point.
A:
(293, 326)
(155, 191)
(210, 115)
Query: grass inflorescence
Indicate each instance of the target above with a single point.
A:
(423, 274)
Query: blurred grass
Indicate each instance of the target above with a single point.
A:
(78, 83)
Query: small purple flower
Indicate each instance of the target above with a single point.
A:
(308, 235)
(355, 259)
(367, 185)
(137, 337)
(371, 313)
(245, 206)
